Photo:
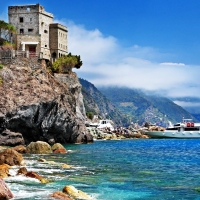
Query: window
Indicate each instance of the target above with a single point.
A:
(30, 30)
(45, 45)
(21, 31)
(30, 19)
(21, 19)
(54, 55)
(45, 31)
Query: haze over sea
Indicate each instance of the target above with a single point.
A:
(118, 170)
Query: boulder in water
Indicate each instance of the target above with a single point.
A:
(61, 195)
(39, 147)
(58, 148)
(20, 149)
(22, 170)
(5, 192)
(37, 176)
(77, 194)
(4, 170)
(11, 157)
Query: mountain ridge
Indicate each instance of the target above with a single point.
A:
(131, 105)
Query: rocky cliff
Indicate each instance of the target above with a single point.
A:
(37, 106)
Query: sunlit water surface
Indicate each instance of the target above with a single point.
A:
(118, 170)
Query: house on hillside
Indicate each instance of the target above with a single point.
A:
(37, 34)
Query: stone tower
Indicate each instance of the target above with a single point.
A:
(36, 32)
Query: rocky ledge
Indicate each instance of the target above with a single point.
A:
(34, 105)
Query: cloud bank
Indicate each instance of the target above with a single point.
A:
(107, 63)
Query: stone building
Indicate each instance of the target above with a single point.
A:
(37, 33)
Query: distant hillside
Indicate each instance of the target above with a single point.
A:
(144, 108)
(97, 103)
(191, 104)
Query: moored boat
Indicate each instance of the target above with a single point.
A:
(105, 124)
(184, 129)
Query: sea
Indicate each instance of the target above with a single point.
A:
(152, 169)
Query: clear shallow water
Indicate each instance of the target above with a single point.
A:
(119, 170)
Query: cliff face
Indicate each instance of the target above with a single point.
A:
(40, 107)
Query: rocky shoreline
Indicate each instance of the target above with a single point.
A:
(13, 157)
(122, 133)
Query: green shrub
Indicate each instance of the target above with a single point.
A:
(1, 66)
(66, 63)
(90, 115)
(1, 81)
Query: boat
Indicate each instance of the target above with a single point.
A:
(105, 124)
(184, 129)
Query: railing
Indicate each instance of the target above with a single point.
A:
(8, 54)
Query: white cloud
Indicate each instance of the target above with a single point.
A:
(105, 63)
(187, 104)
(172, 64)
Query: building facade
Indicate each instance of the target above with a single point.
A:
(37, 33)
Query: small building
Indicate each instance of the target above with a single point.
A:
(37, 33)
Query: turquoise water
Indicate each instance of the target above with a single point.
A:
(119, 170)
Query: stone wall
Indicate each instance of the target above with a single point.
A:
(28, 38)
(31, 21)
(58, 40)
(30, 17)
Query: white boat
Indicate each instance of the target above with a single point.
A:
(105, 124)
(184, 129)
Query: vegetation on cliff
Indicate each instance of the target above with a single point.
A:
(36, 105)
(65, 64)
(6, 30)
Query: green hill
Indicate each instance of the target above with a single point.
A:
(125, 105)
(99, 104)
(145, 108)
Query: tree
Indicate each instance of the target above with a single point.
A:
(6, 30)
(66, 63)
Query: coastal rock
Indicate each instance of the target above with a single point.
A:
(36, 176)
(77, 194)
(10, 138)
(41, 160)
(22, 170)
(156, 128)
(20, 149)
(39, 147)
(83, 138)
(40, 107)
(62, 150)
(4, 170)
(61, 195)
(66, 166)
(11, 157)
(58, 148)
(5, 192)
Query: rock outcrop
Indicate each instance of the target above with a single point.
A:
(39, 147)
(10, 138)
(5, 192)
(77, 194)
(11, 157)
(58, 148)
(40, 107)
(61, 195)
(4, 170)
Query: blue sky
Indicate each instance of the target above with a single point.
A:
(149, 44)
